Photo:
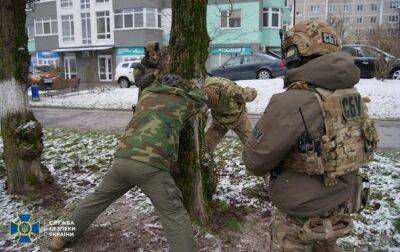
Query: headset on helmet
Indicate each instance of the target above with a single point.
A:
(308, 39)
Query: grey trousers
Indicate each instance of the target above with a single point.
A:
(157, 184)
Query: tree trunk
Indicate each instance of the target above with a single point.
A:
(21, 132)
(188, 49)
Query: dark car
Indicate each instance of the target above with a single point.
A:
(365, 57)
(250, 66)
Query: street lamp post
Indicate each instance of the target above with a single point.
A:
(294, 12)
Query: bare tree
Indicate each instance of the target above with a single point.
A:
(188, 47)
(21, 132)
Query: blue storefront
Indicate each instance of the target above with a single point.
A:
(128, 53)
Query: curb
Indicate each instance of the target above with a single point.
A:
(129, 110)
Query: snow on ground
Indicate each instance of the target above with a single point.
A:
(78, 160)
(385, 97)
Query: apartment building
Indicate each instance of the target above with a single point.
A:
(88, 38)
(246, 26)
(357, 16)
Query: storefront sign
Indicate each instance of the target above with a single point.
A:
(48, 54)
(231, 50)
(128, 51)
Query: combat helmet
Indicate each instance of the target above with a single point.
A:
(309, 39)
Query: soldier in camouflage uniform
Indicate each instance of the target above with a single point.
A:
(227, 102)
(149, 68)
(144, 157)
(313, 138)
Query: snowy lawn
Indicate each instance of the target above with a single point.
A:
(385, 97)
(78, 160)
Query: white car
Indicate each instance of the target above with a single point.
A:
(124, 73)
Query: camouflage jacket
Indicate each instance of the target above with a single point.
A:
(152, 135)
(227, 100)
(144, 74)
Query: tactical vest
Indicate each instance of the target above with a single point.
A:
(348, 143)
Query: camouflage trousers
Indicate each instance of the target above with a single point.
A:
(217, 131)
(317, 234)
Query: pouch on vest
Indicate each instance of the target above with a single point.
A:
(317, 229)
(361, 193)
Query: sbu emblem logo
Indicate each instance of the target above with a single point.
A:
(24, 229)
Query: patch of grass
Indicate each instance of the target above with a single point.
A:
(255, 192)
(58, 165)
(397, 224)
(234, 224)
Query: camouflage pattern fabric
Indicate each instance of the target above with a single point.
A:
(227, 100)
(217, 131)
(348, 143)
(312, 38)
(152, 136)
(145, 74)
(290, 234)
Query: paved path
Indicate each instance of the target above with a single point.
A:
(389, 131)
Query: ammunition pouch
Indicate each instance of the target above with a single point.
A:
(325, 229)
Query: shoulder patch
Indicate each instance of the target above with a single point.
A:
(257, 133)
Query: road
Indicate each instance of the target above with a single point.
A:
(389, 131)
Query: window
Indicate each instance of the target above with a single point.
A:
(86, 30)
(374, 7)
(346, 8)
(30, 32)
(373, 20)
(125, 65)
(138, 17)
(286, 3)
(359, 20)
(103, 25)
(67, 23)
(85, 4)
(102, 1)
(332, 8)
(314, 19)
(46, 26)
(151, 17)
(66, 3)
(360, 7)
(123, 19)
(357, 32)
(314, 8)
(394, 5)
(394, 19)
(271, 17)
(231, 21)
(251, 59)
(233, 61)
(134, 18)
(347, 20)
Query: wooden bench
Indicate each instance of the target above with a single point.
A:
(62, 86)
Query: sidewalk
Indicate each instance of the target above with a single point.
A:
(389, 131)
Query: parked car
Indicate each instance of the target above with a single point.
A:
(45, 76)
(365, 57)
(124, 73)
(250, 66)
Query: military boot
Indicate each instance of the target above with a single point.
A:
(57, 243)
